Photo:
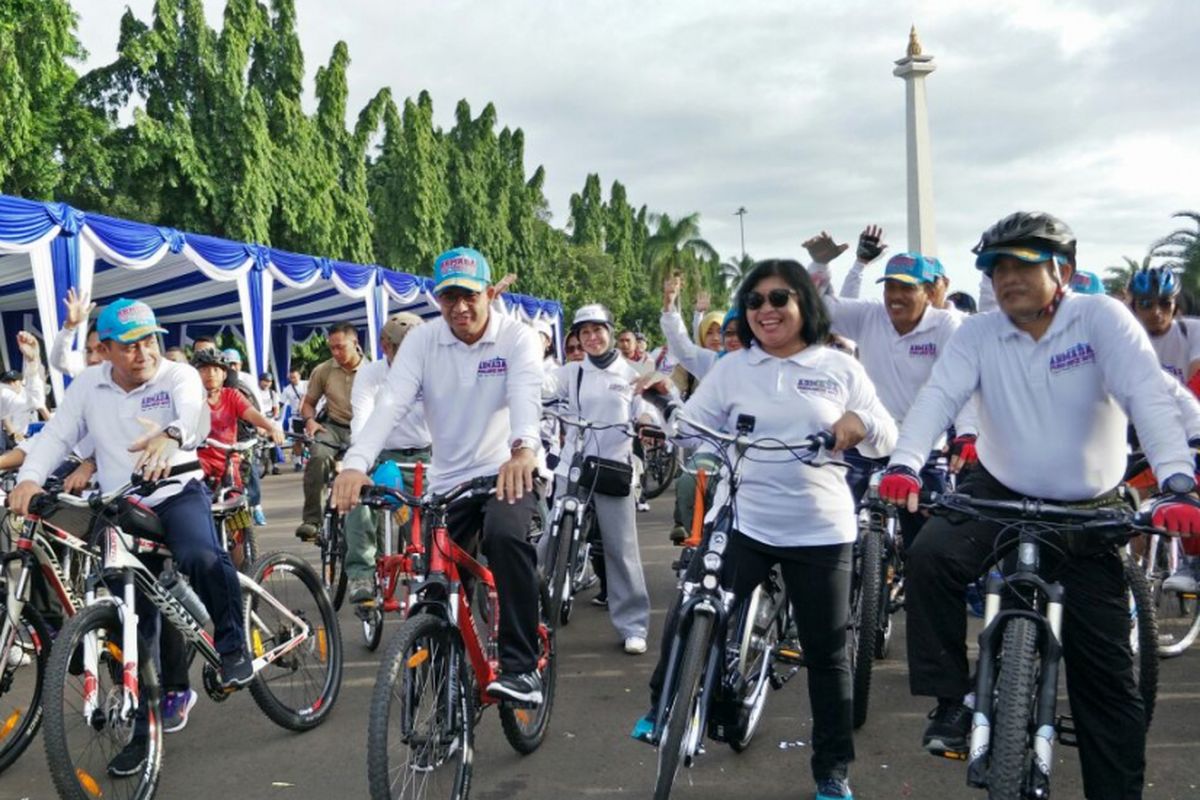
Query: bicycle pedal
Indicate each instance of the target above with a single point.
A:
(952, 755)
(520, 705)
(1067, 735)
(790, 656)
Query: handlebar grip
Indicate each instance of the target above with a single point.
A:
(42, 505)
(825, 439)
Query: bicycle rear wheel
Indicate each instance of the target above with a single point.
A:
(79, 748)
(682, 737)
(1011, 755)
(756, 635)
(660, 468)
(333, 558)
(558, 570)
(298, 689)
(525, 728)
(420, 733)
(22, 675)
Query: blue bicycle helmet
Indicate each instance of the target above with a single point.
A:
(1154, 282)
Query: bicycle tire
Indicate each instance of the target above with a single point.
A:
(659, 473)
(865, 599)
(19, 727)
(1145, 636)
(765, 616)
(63, 688)
(558, 572)
(303, 709)
(525, 729)
(372, 628)
(333, 558)
(403, 675)
(1016, 685)
(1189, 609)
(684, 711)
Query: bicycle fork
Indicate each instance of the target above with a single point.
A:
(128, 654)
(1050, 649)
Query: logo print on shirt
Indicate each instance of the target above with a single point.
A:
(926, 350)
(1072, 357)
(493, 366)
(823, 386)
(1172, 370)
(153, 401)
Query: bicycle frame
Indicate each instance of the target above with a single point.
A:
(395, 569)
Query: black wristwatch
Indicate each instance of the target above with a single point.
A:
(173, 432)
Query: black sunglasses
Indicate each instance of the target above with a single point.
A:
(574, 348)
(1147, 303)
(778, 298)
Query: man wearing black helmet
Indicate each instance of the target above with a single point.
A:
(1057, 373)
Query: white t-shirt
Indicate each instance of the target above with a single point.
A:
(1052, 421)
(780, 501)
(479, 398)
(410, 431)
(1178, 347)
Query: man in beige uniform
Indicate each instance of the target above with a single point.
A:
(333, 380)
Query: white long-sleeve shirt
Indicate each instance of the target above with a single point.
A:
(479, 398)
(370, 381)
(67, 361)
(94, 404)
(28, 398)
(781, 501)
(604, 396)
(1053, 411)
(695, 359)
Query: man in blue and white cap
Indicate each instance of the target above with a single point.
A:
(479, 373)
(147, 415)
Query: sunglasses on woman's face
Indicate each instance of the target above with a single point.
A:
(574, 348)
(1147, 303)
(778, 298)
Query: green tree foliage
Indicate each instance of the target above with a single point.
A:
(1180, 251)
(207, 130)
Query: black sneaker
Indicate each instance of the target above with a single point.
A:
(237, 670)
(129, 761)
(524, 688)
(949, 727)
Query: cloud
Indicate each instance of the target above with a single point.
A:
(790, 109)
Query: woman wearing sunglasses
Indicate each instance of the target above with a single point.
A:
(790, 513)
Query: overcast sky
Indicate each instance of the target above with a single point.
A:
(791, 110)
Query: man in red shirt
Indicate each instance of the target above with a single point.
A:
(227, 406)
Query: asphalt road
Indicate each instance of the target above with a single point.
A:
(232, 750)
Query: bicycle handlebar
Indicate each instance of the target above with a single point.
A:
(236, 447)
(579, 422)
(43, 504)
(821, 439)
(379, 496)
(1040, 510)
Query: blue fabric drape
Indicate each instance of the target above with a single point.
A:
(23, 221)
(135, 241)
(221, 253)
(258, 318)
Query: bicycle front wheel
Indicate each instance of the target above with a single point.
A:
(298, 689)
(22, 673)
(1143, 635)
(1016, 685)
(558, 570)
(86, 731)
(333, 558)
(525, 728)
(865, 603)
(757, 637)
(682, 737)
(420, 733)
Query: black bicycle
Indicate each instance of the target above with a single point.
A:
(1015, 721)
(331, 538)
(721, 658)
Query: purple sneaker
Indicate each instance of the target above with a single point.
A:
(175, 708)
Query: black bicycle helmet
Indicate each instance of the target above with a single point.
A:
(1035, 230)
(209, 358)
(963, 302)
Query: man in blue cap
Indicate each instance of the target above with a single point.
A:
(479, 373)
(147, 415)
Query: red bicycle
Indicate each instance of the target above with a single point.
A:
(431, 688)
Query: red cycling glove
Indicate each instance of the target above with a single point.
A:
(898, 483)
(1179, 516)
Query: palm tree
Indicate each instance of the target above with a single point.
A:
(1180, 250)
(733, 270)
(1117, 278)
(676, 247)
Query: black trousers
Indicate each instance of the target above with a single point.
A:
(818, 586)
(513, 562)
(1103, 695)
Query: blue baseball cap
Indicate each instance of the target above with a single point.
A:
(462, 267)
(1086, 283)
(124, 320)
(231, 356)
(913, 269)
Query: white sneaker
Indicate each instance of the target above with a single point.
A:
(642, 505)
(635, 645)
(1183, 580)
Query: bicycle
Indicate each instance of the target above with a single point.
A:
(331, 538)
(99, 689)
(62, 558)
(660, 467)
(231, 508)
(430, 691)
(709, 674)
(393, 568)
(572, 519)
(1010, 750)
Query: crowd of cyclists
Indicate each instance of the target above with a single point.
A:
(1042, 394)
